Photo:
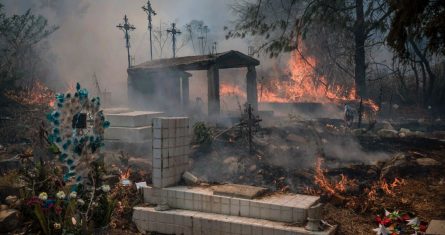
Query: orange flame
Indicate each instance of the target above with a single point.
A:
(326, 185)
(37, 94)
(388, 189)
(231, 90)
(304, 85)
(125, 174)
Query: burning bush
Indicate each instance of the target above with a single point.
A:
(36, 94)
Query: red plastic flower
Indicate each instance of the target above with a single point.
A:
(58, 210)
(406, 217)
(423, 226)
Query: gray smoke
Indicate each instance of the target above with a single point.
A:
(88, 41)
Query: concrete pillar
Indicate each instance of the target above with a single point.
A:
(213, 90)
(185, 93)
(252, 94)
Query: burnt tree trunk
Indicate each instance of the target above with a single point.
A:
(359, 57)
(426, 63)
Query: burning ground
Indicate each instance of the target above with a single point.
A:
(358, 175)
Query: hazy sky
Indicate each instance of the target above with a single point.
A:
(88, 40)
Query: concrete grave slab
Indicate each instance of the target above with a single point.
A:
(436, 227)
(132, 119)
(237, 190)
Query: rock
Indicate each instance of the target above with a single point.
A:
(296, 138)
(252, 168)
(190, 179)
(399, 166)
(419, 134)
(3, 207)
(427, 162)
(139, 163)
(360, 131)
(9, 164)
(111, 179)
(387, 125)
(230, 160)
(387, 133)
(405, 130)
(11, 200)
(439, 134)
(9, 220)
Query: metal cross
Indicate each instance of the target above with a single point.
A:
(174, 31)
(126, 27)
(150, 12)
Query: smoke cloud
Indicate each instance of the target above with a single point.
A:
(88, 41)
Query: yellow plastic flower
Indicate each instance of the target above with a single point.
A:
(43, 196)
(60, 195)
(57, 226)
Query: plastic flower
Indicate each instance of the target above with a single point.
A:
(60, 195)
(73, 195)
(106, 188)
(58, 210)
(381, 230)
(80, 202)
(43, 196)
(57, 226)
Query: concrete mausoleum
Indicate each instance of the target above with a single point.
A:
(164, 84)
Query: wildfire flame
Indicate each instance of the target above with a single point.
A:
(125, 174)
(326, 185)
(37, 94)
(231, 90)
(302, 84)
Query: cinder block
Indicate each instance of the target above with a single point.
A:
(235, 228)
(157, 143)
(178, 220)
(286, 214)
(157, 182)
(234, 206)
(178, 229)
(254, 210)
(164, 152)
(246, 229)
(157, 123)
(216, 205)
(180, 194)
(225, 209)
(188, 195)
(157, 164)
(172, 123)
(244, 208)
(197, 202)
(157, 153)
(196, 225)
(264, 211)
(157, 133)
(226, 227)
(298, 215)
(187, 231)
(187, 221)
(268, 230)
(274, 213)
(188, 204)
(257, 230)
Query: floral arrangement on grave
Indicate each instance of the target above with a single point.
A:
(399, 222)
(81, 202)
(78, 131)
